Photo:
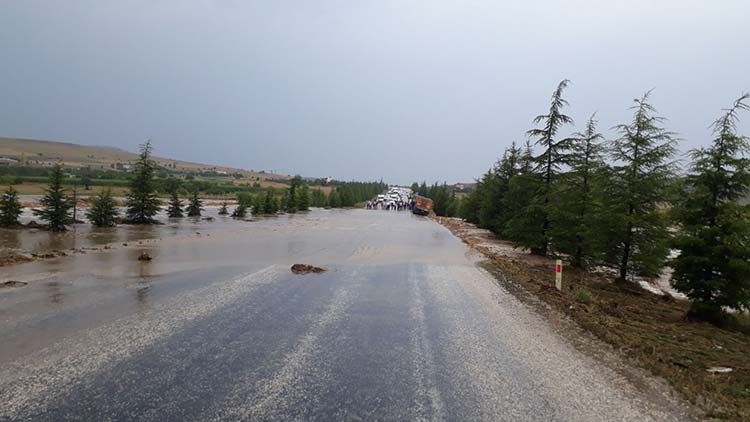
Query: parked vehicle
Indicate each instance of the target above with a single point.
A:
(422, 205)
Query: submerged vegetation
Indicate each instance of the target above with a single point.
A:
(175, 205)
(195, 205)
(103, 210)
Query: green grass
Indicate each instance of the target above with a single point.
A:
(584, 296)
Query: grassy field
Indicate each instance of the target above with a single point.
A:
(37, 188)
(36, 152)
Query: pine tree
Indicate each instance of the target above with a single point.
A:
(258, 204)
(10, 208)
(640, 185)
(303, 198)
(103, 210)
(195, 206)
(526, 163)
(334, 201)
(223, 210)
(440, 197)
(525, 209)
(56, 205)
(555, 154)
(142, 203)
(469, 208)
(713, 267)
(494, 187)
(576, 204)
(454, 204)
(290, 200)
(319, 198)
(345, 197)
(270, 205)
(175, 205)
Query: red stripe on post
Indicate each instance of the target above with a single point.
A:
(558, 268)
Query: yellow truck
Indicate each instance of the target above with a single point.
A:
(422, 205)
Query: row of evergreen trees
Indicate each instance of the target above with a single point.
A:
(617, 203)
(142, 204)
(349, 194)
(175, 209)
(300, 197)
(444, 200)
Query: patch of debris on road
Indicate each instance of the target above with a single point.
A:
(306, 269)
(14, 259)
(649, 329)
(22, 258)
(12, 283)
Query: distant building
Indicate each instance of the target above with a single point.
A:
(7, 161)
(459, 186)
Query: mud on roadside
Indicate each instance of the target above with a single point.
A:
(648, 329)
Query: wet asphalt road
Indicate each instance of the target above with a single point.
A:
(381, 336)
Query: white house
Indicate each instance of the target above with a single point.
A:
(7, 161)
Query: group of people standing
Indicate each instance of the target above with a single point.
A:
(375, 204)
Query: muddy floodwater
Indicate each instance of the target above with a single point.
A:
(402, 325)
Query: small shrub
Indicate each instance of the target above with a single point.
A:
(584, 296)
(240, 211)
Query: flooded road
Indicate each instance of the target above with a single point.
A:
(404, 326)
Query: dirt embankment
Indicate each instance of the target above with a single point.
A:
(708, 365)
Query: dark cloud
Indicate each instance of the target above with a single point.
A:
(402, 90)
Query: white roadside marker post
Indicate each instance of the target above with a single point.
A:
(558, 274)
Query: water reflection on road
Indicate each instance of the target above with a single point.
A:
(102, 278)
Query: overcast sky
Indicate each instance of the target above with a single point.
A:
(403, 90)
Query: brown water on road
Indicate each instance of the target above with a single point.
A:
(73, 292)
(189, 243)
(403, 326)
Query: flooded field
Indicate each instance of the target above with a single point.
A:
(101, 274)
(403, 325)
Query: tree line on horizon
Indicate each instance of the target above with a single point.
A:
(165, 180)
(142, 203)
(621, 203)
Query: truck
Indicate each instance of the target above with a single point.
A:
(422, 205)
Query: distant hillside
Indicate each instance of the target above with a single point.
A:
(43, 153)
